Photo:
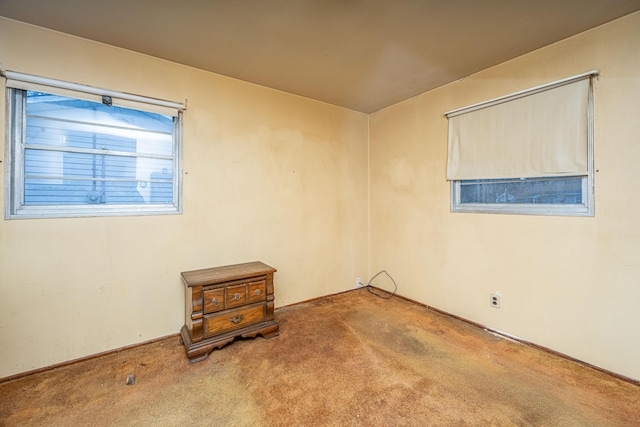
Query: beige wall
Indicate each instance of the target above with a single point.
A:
(570, 284)
(267, 176)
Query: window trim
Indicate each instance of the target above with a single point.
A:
(587, 209)
(15, 134)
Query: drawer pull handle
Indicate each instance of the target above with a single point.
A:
(215, 302)
(237, 318)
(258, 292)
(236, 296)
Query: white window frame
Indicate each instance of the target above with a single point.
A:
(586, 208)
(15, 142)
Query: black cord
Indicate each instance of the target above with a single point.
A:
(369, 287)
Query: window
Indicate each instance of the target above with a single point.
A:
(527, 153)
(75, 152)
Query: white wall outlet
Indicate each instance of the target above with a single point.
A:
(358, 283)
(494, 299)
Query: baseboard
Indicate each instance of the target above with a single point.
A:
(84, 359)
(314, 299)
(525, 342)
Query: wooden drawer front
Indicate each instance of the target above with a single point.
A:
(219, 323)
(257, 291)
(213, 300)
(236, 295)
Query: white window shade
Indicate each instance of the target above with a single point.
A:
(541, 132)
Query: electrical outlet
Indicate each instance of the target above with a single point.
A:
(494, 300)
(358, 283)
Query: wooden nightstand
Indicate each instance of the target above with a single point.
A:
(223, 303)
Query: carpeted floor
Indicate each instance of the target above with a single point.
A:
(345, 360)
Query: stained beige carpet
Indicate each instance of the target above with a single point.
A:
(345, 360)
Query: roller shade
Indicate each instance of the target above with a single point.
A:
(23, 81)
(541, 132)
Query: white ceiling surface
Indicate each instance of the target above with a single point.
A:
(359, 54)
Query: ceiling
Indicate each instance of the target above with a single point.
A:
(359, 54)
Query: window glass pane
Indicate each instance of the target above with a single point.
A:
(82, 192)
(80, 152)
(73, 123)
(54, 177)
(557, 191)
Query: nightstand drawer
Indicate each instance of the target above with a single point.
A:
(213, 300)
(236, 295)
(215, 324)
(257, 291)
